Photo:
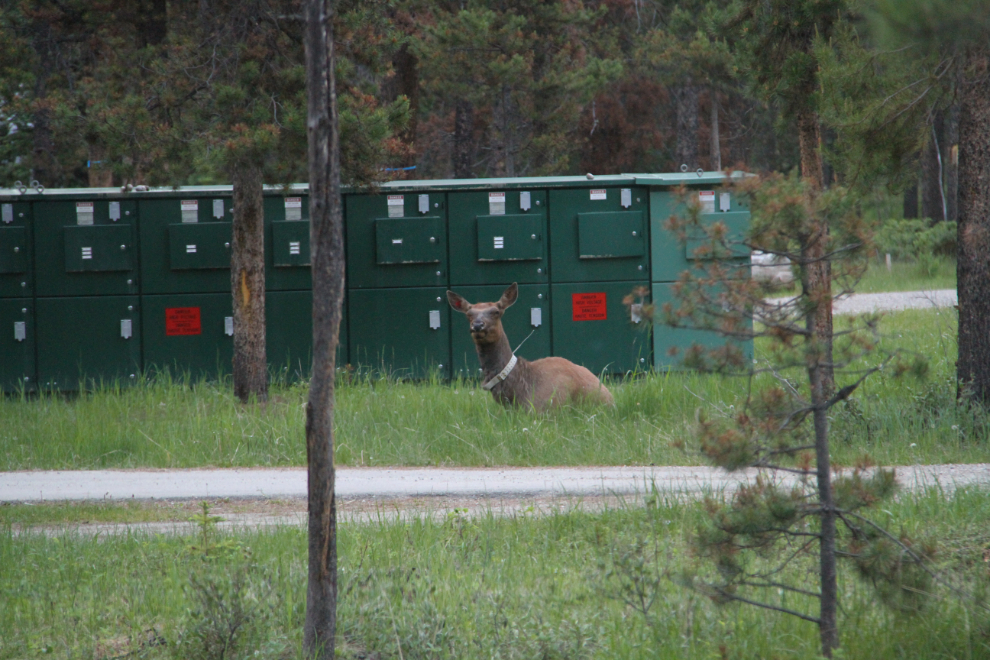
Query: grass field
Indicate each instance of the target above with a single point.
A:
(554, 586)
(931, 274)
(174, 424)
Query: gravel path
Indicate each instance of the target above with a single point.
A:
(862, 303)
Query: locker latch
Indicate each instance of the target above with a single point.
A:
(424, 204)
(724, 202)
(524, 203)
(114, 208)
(126, 328)
(8, 213)
(434, 319)
(218, 209)
(536, 316)
(228, 326)
(20, 330)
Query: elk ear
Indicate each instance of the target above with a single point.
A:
(458, 302)
(509, 296)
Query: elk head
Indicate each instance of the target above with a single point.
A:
(485, 318)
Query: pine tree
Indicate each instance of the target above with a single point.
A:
(774, 528)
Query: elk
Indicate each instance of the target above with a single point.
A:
(540, 384)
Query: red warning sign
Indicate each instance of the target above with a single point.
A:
(182, 321)
(588, 307)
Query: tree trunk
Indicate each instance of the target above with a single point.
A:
(817, 277)
(931, 174)
(716, 147)
(950, 161)
(463, 155)
(973, 231)
(405, 82)
(44, 165)
(828, 625)
(247, 282)
(686, 111)
(911, 201)
(327, 255)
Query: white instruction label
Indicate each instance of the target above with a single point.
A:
(396, 206)
(190, 210)
(496, 203)
(706, 199)
(598, 194)
(293, 208)
(84, 213)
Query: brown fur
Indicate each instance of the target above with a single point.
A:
(540, 384)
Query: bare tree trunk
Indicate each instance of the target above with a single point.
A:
(686, 110)
(327, 254)
(931, 174)
(405, 82)
(817, 277)
(716, 148)
(44, 165)
(247, 282)
(911, 201)
(828, 625)
(973, 232)
(463, 155)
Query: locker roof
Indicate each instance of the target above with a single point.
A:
(437, 185)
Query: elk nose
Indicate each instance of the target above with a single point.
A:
(477, 326)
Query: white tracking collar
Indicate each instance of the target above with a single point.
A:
(502, 375)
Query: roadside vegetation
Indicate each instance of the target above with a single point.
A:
(168, 422)
(570, 585)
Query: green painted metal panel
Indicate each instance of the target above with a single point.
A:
(585, 224)
(510, 238)
(167, 264)
(188, 332)
(16, 250)
(287, 254)
(17, 345)
(592, 327)
(405, 332)
(290, 334)
(527, 322)
(290, 244)
(498, 236)
(670, 344)
(62, 231)
(96, 338)
(200, 246)
(700, 247)
(611, 235)
(408, 241)
(104, 248)
(670, 257)
(373, 222)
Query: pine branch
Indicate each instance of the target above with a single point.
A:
(768, 606)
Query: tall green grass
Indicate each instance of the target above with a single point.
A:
(489, 587)
(173, 422)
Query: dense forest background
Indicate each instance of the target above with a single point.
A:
(172, 92)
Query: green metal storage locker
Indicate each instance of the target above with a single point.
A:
(671, 257)
(498, 237)
(86, 286)
(17, 343)
(187, 321)
(397, 278)
(600, 252)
